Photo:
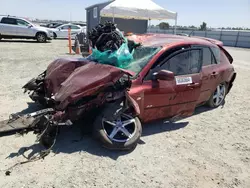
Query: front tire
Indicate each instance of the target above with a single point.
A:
(117, 133)
(218, 96)
(41, 37)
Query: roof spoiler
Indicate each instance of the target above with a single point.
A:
(229, 57)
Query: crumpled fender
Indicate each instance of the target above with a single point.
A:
(133, 103)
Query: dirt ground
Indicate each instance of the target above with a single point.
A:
(210, 149)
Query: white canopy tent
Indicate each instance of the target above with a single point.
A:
(137, 9)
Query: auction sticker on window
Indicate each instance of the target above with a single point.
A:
(183, 80)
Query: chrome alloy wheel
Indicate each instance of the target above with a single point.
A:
(120, 130)
(219, 94)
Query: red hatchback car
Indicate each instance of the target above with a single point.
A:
(171, 76)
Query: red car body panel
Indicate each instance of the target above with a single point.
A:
(217, 42)
(70, 79)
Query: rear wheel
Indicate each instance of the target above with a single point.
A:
(118, 132)
(218, 97)
(41, 37)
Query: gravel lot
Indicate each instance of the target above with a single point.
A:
(209, 149)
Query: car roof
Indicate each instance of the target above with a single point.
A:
(14, 17)
(164, 40)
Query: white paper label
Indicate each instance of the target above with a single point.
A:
(183, 80)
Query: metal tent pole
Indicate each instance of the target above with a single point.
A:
(113, 14)
(175, 23)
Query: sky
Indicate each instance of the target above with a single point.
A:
(216, 13)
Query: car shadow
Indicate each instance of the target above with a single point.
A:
(78, 138)
(21, 41)
(32, 107)
(204, 108)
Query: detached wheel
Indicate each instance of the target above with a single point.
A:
(48, 138)
(218, 97)
(41, 37)
(117, 133)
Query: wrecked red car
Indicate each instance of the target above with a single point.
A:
(168, 78)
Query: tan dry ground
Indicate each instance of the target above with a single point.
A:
(210, 149)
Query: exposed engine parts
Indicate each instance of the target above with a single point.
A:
(105, 37)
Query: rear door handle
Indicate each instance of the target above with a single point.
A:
(193, 85)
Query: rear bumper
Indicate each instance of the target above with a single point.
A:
(230, 85)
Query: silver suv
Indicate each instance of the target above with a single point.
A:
(14, 27)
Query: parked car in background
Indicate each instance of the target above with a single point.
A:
(15, 27)
(52, 25)
(183, 34)
(62, 31)
(81, 39)
(81, 24)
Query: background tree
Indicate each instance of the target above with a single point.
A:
(164, 25)
(203, 26)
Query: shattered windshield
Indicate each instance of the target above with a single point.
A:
(141, 56)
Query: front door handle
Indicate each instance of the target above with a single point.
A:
(214, 74)
(193, 85)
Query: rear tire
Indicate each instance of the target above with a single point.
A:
(41, 37)
(218, 96)
(126, 136)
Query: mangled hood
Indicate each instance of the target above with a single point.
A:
(71, 79)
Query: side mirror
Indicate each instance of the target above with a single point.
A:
(163, 75)
(29, 26)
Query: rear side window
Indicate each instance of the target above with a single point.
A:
(187, 62)
(10, 21)
(208, 58)
(65, 27)
(75, 27)
(216, 52)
